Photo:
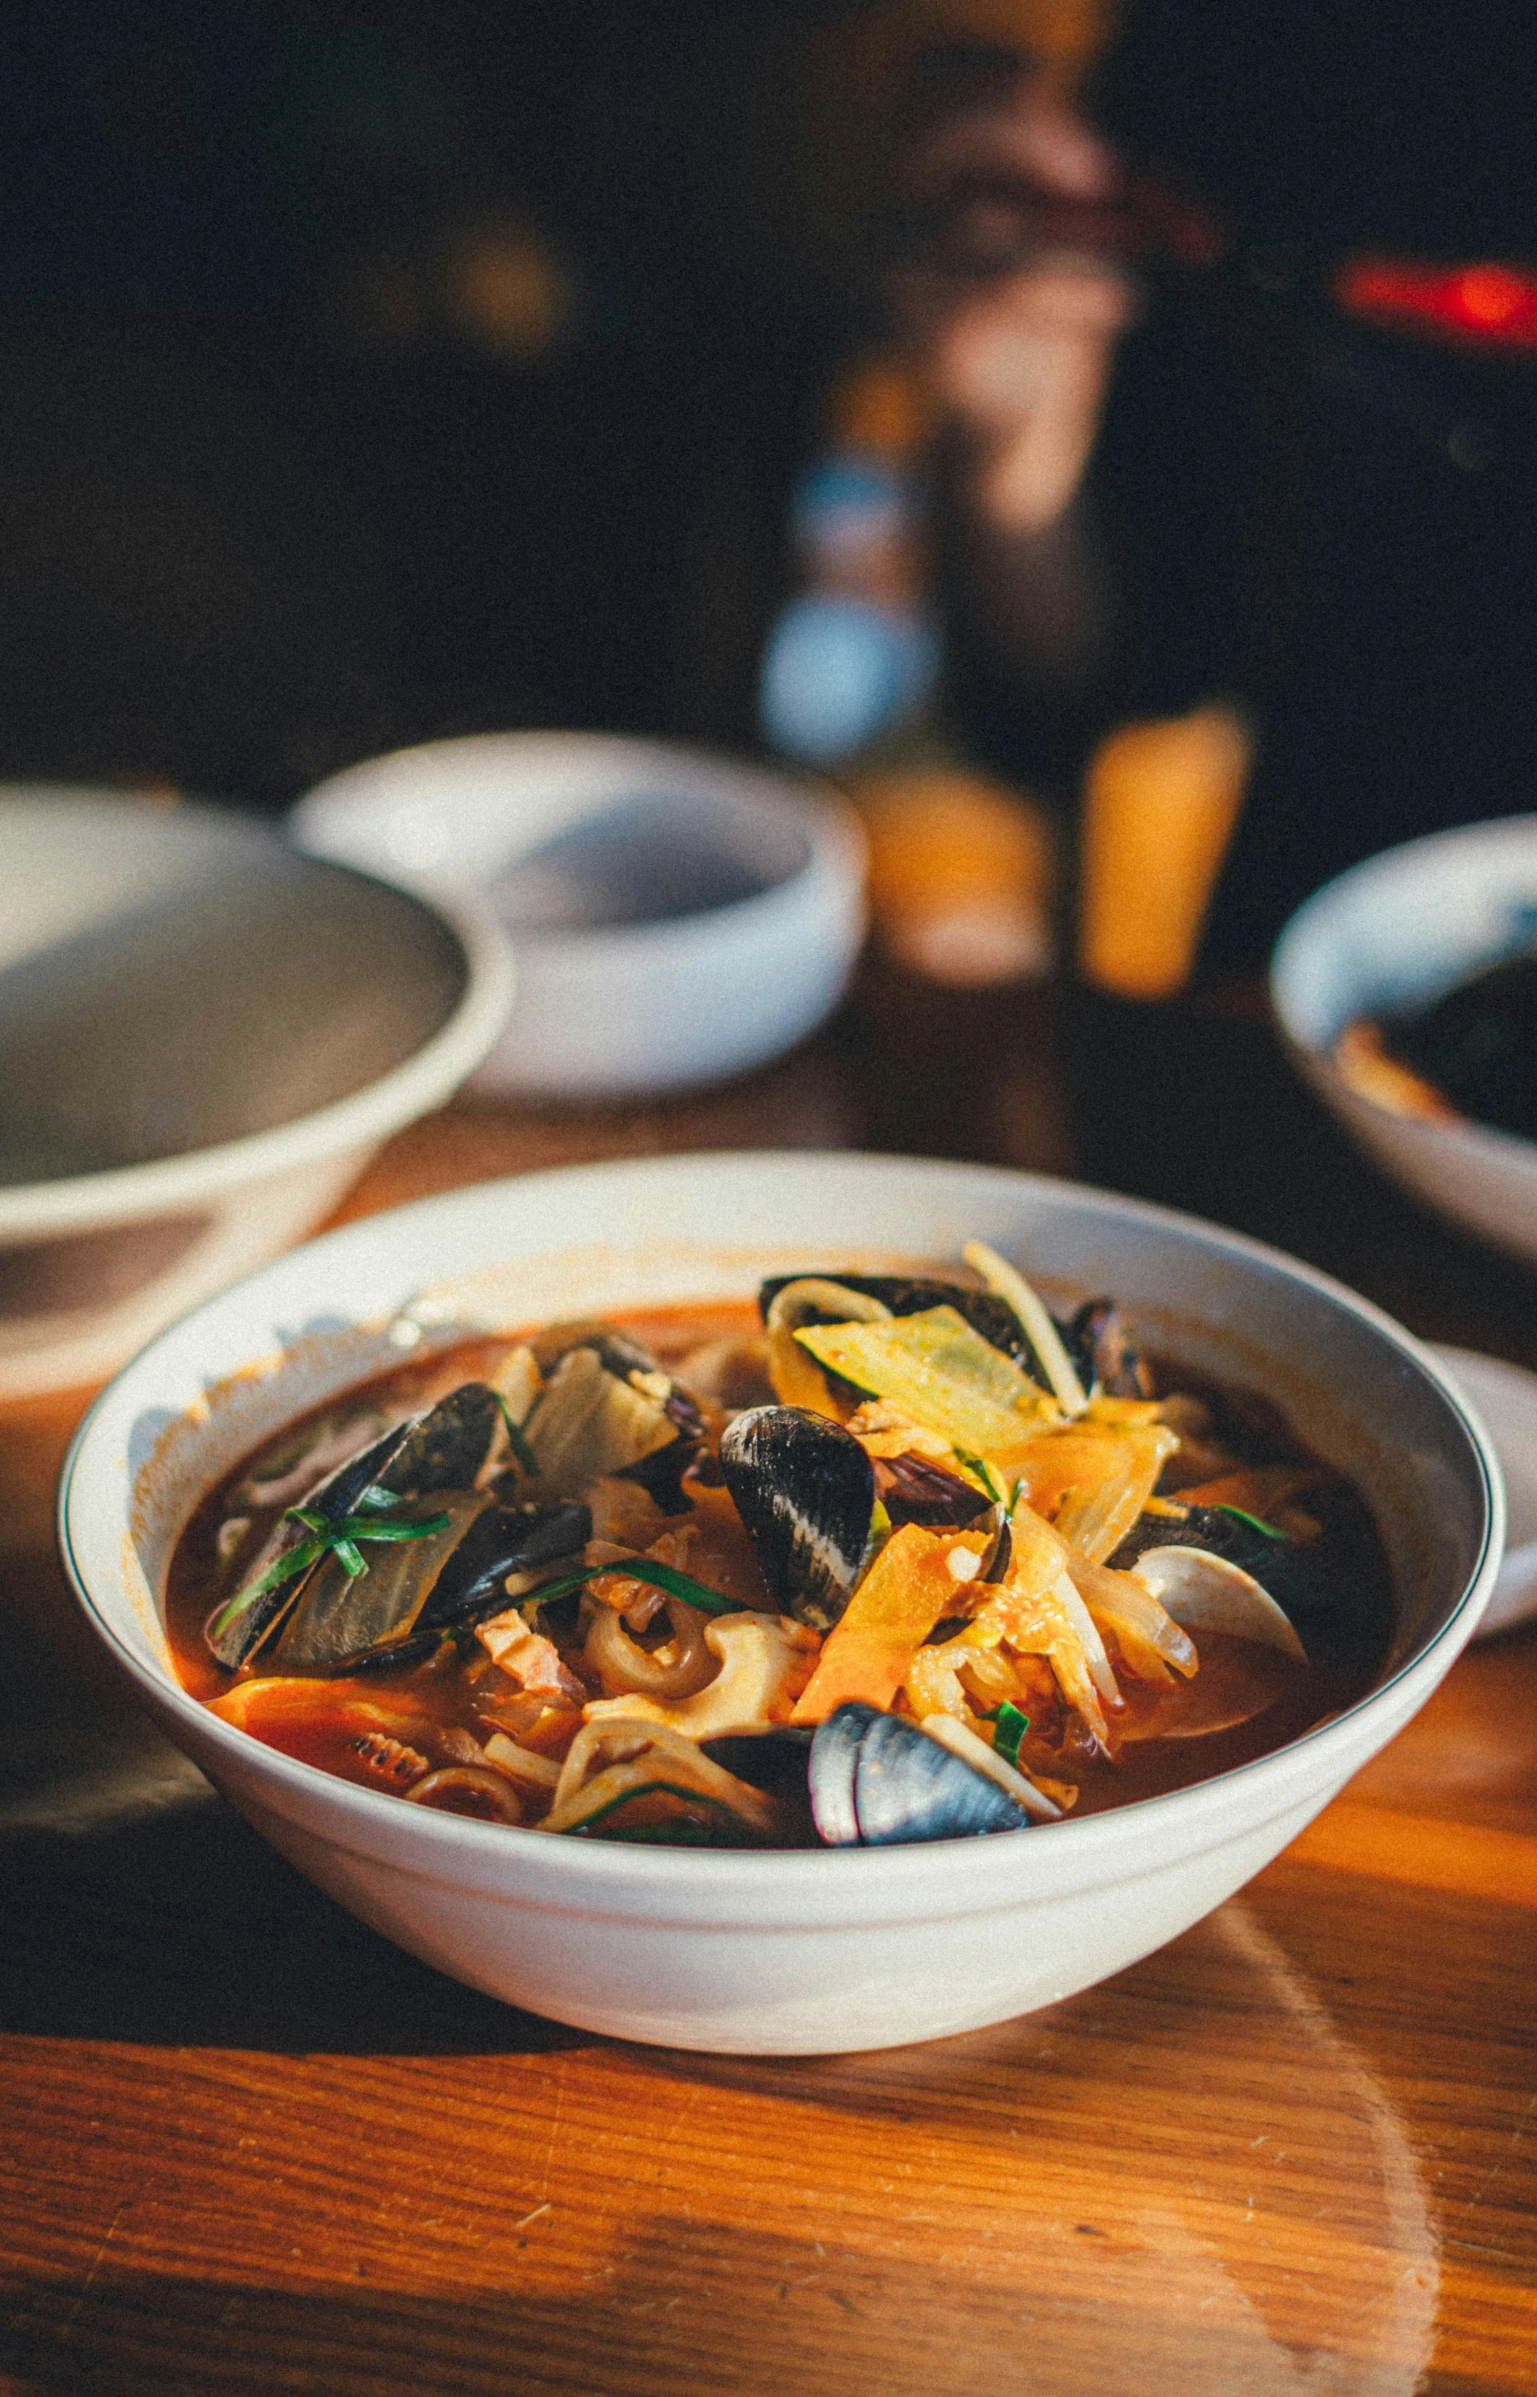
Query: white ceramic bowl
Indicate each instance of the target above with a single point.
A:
(677, 917)
(203, 1037)
(808, 1951)
(1398, 929)
(1505, 1396)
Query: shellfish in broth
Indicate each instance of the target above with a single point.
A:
(911, 1559)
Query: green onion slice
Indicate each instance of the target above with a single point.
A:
(659, 1577)
(980, 1470)
(650, 1789)
(517, 1437)
(1011, 1727)
(1242, 1515)
(340, 1536)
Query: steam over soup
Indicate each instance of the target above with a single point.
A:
(884, 1559)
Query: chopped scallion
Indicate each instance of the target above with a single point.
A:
(1241, 1515)
(659, 1577)
(980, 1470)
(517, 1438)
(1010, 1729)
(339, 1535)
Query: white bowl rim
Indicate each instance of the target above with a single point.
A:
(833, 865)
(165, 1185)
(1308, 929)
(783, 1873)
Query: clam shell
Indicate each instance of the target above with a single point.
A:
(1206, 1593)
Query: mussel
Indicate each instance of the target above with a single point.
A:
(1100, 1345)
(805, 1490)
(913, 1489)
(911, 1294)
(417, 1590)
(877, 1780)
(443, 1449)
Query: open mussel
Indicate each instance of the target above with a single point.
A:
(1099, 1342)
(910, 1294)
(878, 1780)
(443, 1449)
(805, 1490)
(1006, 1316)
(416, 1590)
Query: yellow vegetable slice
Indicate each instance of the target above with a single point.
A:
(943, 1373)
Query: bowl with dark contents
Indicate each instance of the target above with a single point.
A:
(782, 1603)
(1407, 991)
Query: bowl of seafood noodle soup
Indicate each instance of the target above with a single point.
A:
(777, 1948)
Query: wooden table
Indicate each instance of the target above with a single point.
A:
(247, 2146)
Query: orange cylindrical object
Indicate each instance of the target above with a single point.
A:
(1160, 803)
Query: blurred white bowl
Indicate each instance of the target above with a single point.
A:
(1397, 930)
(203, 1037)
(677, 917)
(1505, 1397)
(792, 1951)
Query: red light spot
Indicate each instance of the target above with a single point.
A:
(1490, 295)
(1487, 303)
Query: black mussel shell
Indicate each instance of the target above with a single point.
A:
(805, 1490)
(445, 1448)
(341, 1625)
(504, 1540)
(914, 1294)
(878, 1781)
(912, 1489)
(774, 1761)
(1100, 1346)
(442, 1449)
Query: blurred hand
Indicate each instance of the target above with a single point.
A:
(1005, 282)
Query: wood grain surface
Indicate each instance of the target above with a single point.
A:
(247, 2146)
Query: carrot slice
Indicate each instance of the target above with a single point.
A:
(910, 1587)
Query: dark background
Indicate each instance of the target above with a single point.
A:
(278, 489)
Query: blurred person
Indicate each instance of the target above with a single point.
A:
(1168, 470)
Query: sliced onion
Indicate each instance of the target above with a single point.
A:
(1149, 1638)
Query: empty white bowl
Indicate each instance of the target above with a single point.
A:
(1398, 930)
(792, 1951)
(677, 917)
(203, 1037)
